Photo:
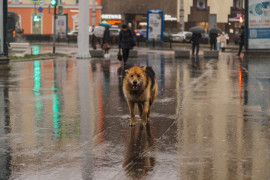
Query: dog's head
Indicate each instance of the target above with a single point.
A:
(136, 77)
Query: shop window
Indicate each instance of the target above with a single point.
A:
(202, 4)
(36, 24)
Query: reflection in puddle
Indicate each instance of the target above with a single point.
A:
(139, 157)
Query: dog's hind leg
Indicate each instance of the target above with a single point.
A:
(132, 115)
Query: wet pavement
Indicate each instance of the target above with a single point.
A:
(66, 118)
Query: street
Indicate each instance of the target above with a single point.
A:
(67, 118)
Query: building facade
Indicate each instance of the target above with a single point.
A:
(135, 12)
(227, 15)
(204, 13)
(26, 9)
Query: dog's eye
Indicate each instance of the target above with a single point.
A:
(131, 75)
(138, 76)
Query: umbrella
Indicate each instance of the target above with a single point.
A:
(197, 30)
(215, 30)
(105, 24)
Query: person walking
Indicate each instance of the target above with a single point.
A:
(223, 41)
(195, 41)
(218, 41)
(213, 41)
(242, 40)
(106, 42)
(126, 41)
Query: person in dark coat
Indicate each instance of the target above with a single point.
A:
(242, 40)
(106, 40)
(213, 41)
(195, 41)
(126, 41)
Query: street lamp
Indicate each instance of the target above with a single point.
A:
(54, 3)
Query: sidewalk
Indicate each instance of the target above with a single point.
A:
(72, 48)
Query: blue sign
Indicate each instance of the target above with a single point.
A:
(40, 9)
(155, 20)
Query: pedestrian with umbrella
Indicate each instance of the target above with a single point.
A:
(213, 34)
(195, 38)
(104, 24)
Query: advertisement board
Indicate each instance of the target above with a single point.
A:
(155, 25)
(61, 26)
(258, 24)
(1, 27)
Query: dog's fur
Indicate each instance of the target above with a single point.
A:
(140, 87)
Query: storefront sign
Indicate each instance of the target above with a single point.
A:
(170, 18)
(111, 16)
(235, 18)
(1, 28)
(259, 24)
(154, 25)
(61, 26)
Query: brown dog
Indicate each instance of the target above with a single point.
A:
(140, 87)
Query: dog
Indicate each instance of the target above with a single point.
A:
(140, 87)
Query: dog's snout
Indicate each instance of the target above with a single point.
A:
(134, 82)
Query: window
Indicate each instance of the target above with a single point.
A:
(15, 1)
(202, 4)
(237, 4)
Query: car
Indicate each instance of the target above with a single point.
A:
(114, 31)
(140, 33)
(183, 36)
(76, 31)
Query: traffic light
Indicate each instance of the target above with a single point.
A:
(54, 2)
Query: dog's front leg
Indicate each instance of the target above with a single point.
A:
(132, 115)
(145, 111)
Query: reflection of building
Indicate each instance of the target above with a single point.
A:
(26, 9)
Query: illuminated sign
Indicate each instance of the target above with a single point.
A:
(111, 16)
(169, 18)
(154, 25)
(113, 22)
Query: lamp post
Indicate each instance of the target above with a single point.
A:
(54, 4)
(4, 60)
(182, 23)
(83, 38)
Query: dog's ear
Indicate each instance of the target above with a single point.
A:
(126, 71)
(144, 68)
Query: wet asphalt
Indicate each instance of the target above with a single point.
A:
(67, 118)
